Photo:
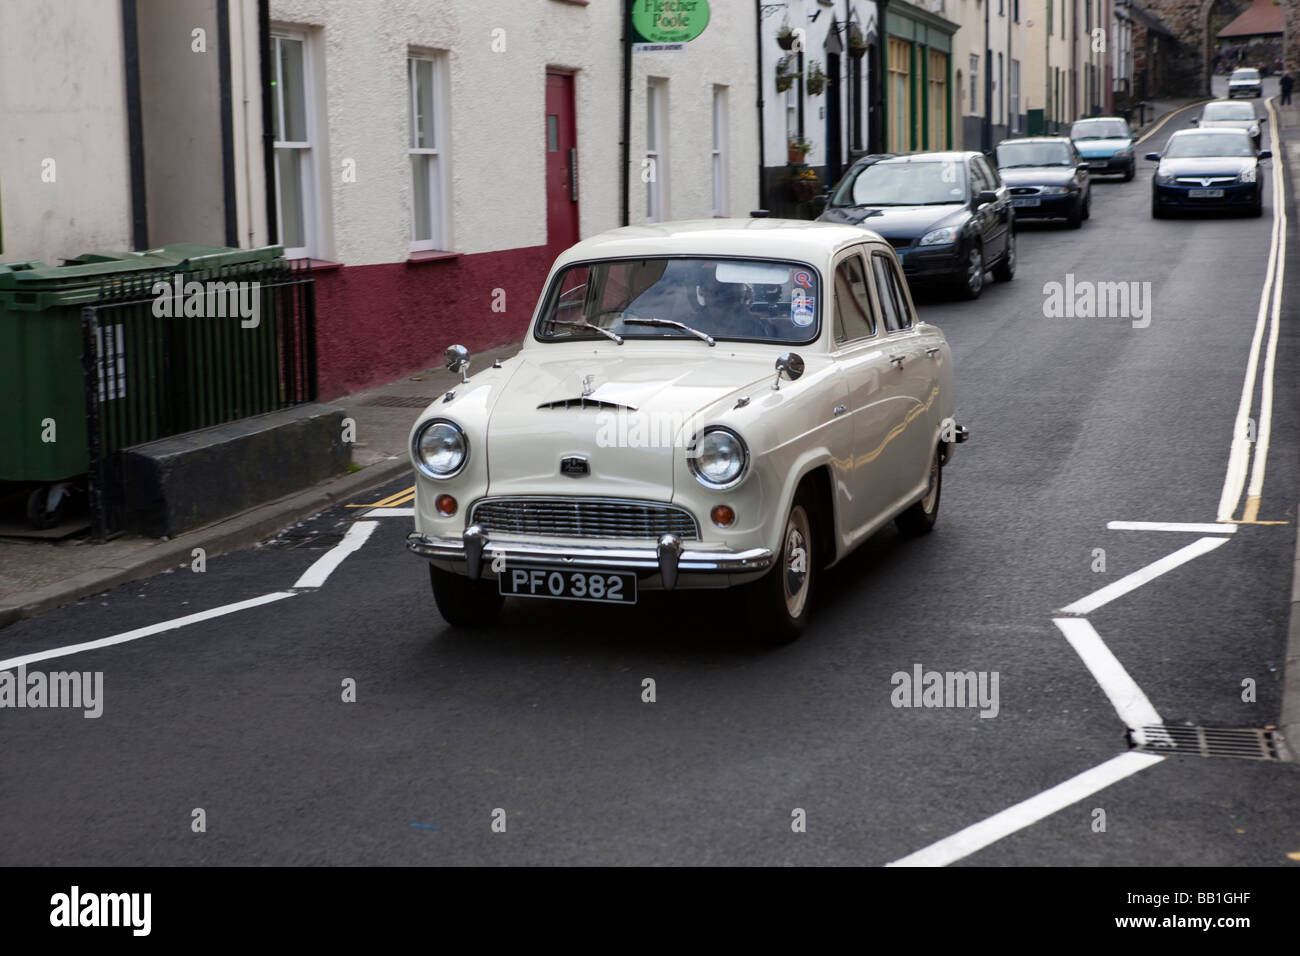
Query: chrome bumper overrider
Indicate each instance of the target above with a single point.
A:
(668, 557)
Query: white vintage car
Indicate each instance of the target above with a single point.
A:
(712, 404)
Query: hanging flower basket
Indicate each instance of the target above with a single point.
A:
(797, 150)
(815, 80)
(785, 75)
(784, 81)
(785, 38)
(857, 42)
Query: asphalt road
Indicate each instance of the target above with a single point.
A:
(1075, 422)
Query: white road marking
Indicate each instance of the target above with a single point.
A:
(1206, 528)
(1256, 487)
(140, 632)
(1133, 707)
(1131, 582)
(1234, 479)
(356, 536)
(390, 513)
(977, 836)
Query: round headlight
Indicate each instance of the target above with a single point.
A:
(440, 449)
(719, 458)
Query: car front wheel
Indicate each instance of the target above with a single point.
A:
(780, 603)
(462, 602)
(1128, 173)
(971, 283)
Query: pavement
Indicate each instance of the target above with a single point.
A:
(37, 575)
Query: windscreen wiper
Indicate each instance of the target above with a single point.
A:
(676, 325)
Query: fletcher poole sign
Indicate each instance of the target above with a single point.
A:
(667, 24)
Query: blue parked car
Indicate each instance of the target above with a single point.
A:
(1106, 144)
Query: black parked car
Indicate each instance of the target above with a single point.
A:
(947, 214)
(1047, 177)
(1208, 169)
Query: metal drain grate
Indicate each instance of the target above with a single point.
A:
(1243, 743)
(398, 401)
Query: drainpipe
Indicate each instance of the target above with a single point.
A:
(134, 125)
(879, 128)
(986, 128)
(625, 159)
(227, 124)
(762, 156)
(268, 133)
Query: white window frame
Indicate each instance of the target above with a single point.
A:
(975, 110)
(719, 157)
(438, 166)
(307, 163)
(656, 191)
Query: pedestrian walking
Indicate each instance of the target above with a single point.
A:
(1286, 83)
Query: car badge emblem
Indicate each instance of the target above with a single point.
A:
(574, 465)
(587, 387)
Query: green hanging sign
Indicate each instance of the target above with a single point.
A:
(668, 21)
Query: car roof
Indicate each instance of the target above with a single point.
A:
(1213, 131)
(929, 156)
(790, 239)
(1099, 119)
(1244, 69)
(1036, 139)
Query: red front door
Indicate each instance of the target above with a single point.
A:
(561, 162)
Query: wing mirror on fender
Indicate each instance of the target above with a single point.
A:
(456, 358)
(1152, 157)
(789, 364)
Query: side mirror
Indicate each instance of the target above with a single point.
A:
(1265, 154)
(456, 358)
(789, 364)
(1152, 157)
(1196, 122)
(819, 202)
(1262, 120)
(986, 196)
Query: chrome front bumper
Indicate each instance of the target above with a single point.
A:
(668, 557)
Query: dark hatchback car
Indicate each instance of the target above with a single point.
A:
(1047, 177)
(1106, 144)
(1208, 169)
(947, 214)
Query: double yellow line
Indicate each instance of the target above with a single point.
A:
(392, 501)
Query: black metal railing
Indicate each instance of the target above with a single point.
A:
(166, 353)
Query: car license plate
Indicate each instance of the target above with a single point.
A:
(605, 587)
(1025, 201)
(1098, 164)
(1205, 193)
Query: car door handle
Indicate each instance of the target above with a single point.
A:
(897, 360)
(841, 409)
(932, 351)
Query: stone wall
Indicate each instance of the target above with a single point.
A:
(1187, 69)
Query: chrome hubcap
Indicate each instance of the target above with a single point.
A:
(976, 277)
(795, 561)
(932, 494)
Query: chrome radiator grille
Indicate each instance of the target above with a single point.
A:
(583, 518)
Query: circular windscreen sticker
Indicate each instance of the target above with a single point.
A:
(802, 308)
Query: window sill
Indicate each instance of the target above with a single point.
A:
(430, 255)
(319, 265)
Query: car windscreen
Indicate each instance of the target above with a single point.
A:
(1019, 155)
(1190, 145)
(1245, 75)
(759, 300)
(1099, 129)
(1228, 111)
(929, 183)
